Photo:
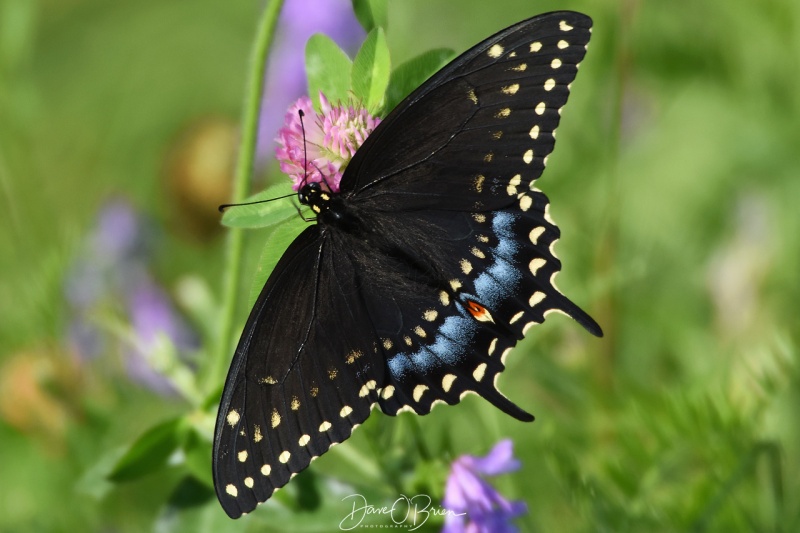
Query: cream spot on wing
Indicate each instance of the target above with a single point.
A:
(553, 249)
(284, 457)
(479, 372)
(478, 253)
(346, 410)
(479, 217)
(540, 107)
(305, 439)
(419, 390)
(325, 426)
(257, 436)
(332, 373)
(479, 183)
(266, 469)
(275, 419)
(447, 382)
(528, 326)
(522, 67)
(295, 405)
(430, 315)
(242, 456)
(536, 297)
(535, 47)
(535, 234)
(534, 133)
(230, 489)
(352, 356)
(495, 51)
(547, 216)
(368, 386)
(528, 157)
(444, 298)
(466, 266)
(269, 380)
(564, 26)
(419, 331)
(233, 417)
(388, 391)
(562, 44)
(472, 96)
(516, 317)
(248, 482)
(492, 346)
(488, 157)
(511, 89)
(513, 183)
(549, 84)
(525, 203)
(497, 135)
(536, 264)
(483, 238)
(387, 344)
(455, 284)
(503, 113)
(556, 63)
(544, 161)
(407, 340)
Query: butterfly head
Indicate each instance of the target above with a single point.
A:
(315, 196)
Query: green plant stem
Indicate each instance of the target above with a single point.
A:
(220, 357)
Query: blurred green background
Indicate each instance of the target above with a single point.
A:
(675, 183)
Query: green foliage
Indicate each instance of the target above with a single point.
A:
(372, 13)
(277, 241)
(150, 451)
(328, 69)
(410, 75)
(266, 214)
(371, 69)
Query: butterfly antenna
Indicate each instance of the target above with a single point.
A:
(223, 207)
(305, 155)
(302, 114)
(324, 179)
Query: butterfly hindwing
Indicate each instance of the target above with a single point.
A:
(485, 279)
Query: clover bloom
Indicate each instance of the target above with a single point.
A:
(477, 507)
(286, 75)
(331, 139)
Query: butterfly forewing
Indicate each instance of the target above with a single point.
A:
(446, 262)
(487, 117)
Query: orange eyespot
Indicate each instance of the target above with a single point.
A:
(479, 312)
(476, 309)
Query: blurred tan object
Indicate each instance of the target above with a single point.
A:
(35, 390)
(199, 170)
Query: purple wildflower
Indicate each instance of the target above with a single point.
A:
(331, 139)
(477, 507)
(113, 272)
(286, 75)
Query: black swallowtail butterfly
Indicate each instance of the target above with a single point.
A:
(419, 276)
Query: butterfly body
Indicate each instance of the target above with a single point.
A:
(421, 273)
